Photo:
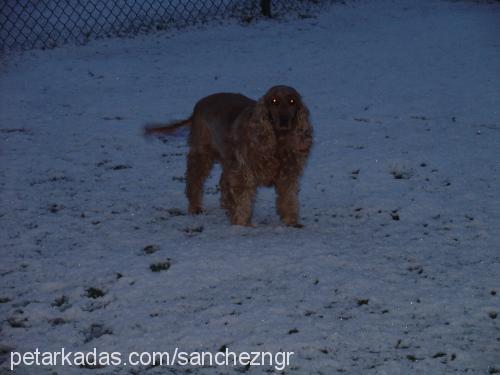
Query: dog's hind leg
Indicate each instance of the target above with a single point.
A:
(199, 165)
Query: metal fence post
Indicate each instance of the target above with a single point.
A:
(265, 6)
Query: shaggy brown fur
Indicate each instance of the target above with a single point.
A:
(264, 143)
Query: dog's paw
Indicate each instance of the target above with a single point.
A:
(243, 224)
(195, 210)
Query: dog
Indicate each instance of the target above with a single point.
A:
(258, 143)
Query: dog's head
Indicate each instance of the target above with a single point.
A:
(283, 105)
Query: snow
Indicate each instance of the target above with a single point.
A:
(404, 101)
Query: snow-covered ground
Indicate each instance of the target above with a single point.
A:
(397, 269)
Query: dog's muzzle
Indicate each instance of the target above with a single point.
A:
(284, 123)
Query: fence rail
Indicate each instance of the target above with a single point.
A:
(28, 24)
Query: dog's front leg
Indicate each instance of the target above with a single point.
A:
(242, 193)
(287, 201)
(226, 201)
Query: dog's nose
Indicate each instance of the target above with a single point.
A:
(284, 122)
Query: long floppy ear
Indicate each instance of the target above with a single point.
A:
(303, 128)
(260, 132)
(302, 116)
(260, 114)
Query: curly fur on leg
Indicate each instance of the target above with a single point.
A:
(287, 202)
(198, 169)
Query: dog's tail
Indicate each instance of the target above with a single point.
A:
(155, 128)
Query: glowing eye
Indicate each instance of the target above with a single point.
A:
(274, 100)
(292, 101)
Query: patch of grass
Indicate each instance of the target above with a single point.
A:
(402, 173)
(58, 302)
(160, 266)
(94, 293)
(194, 230)
(151, 249)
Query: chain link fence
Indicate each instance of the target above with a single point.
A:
(28, 24)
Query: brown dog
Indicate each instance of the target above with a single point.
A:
(264, 143)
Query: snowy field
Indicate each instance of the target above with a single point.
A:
(397, 270)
